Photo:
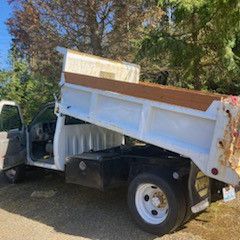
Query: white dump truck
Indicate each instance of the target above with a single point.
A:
(184, 139)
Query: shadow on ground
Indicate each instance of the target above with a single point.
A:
(73, 209)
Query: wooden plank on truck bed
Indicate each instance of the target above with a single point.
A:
(172, 95)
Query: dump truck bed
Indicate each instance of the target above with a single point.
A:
(198, 125)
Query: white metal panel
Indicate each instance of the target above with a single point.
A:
(82, 63)
(217, 154)
(86, 137)
(141, 119)
(73, 95)
(114, 111)
(76, 139)
(198, 132)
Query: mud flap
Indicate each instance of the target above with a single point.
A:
(199, 189)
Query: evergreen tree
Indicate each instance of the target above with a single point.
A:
(198, 42)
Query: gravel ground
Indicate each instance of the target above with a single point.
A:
(44, 207)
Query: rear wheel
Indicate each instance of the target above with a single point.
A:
(157, 205)
(16, 174)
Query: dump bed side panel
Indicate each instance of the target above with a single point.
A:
(155, 92)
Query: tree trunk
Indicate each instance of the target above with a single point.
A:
(91, 18)
(196, 55)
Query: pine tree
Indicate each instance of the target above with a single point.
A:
(199, 45)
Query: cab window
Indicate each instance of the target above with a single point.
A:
(10, 118)
(45, 116)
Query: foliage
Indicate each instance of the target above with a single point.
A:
(198, 43)
(187, 43)
(31, 91)
(104, 28)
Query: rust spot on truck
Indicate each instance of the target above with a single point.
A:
(230, 144)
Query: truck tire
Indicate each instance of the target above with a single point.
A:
(15, 175)
(157, 204)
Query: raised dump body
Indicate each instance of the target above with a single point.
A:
(198, 125)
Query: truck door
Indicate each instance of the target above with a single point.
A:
(12, 136)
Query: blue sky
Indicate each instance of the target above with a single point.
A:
(5, 38)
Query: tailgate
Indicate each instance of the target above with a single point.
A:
(224, 162)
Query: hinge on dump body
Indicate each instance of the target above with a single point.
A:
(199, 189)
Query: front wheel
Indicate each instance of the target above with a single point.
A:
(16, 174)
(157, 204)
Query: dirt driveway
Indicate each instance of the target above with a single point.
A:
(62, 211)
